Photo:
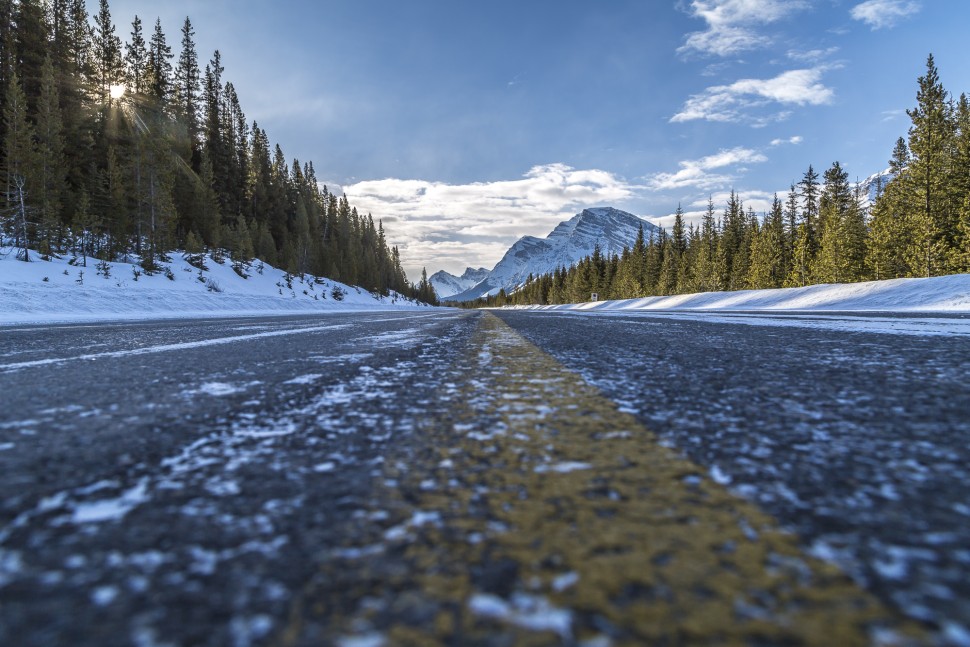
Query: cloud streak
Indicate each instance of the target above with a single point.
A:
(697, 173)
(884, 14)
(732, 24)
(733, 103)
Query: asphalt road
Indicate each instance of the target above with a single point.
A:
(856, 441)
(304, 480)
(161, 484)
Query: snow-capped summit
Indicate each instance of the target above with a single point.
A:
(447, 284)
(570, 242)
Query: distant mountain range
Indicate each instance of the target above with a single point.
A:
(570, 242)
(447, 284)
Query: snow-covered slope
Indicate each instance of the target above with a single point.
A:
(570, 242)
(447, 284)
(937, 294)
(49, 291)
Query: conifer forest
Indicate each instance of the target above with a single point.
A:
(118, 148)
(825, 230)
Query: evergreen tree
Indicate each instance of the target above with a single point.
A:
(426, 293)
(30, 48)
(961, 184)
(107, 54)
(706, 275)
(830, 264)
(187, 78)
(51, 164)
(159, 76)
(767, 251)
(20, 168)
(891, 221)
(805, 246)
(136, 60)
(931, 139)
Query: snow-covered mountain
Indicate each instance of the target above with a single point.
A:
(872, 186)
(447, 284)
(570, 242)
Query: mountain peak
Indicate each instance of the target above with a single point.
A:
(447, 284)
(567, 244)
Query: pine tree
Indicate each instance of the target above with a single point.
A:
(115, 205)
(20, 168)
(85, 224)
(136, 60)
(426, 293)
(829, 265)
(931, 139)
(30, 48)
(107, 54)
(805, 245)
(960, 260)
(7, 51)
(159, 76)
(891, 220)
(705, 276)
(768, 250)
(209, 220)
(187, 79)
(59, 32)
(51, 163)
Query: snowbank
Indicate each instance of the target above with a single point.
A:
(939, 294)
(59, 291)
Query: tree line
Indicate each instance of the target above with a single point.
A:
(118, 150)
(823, 231)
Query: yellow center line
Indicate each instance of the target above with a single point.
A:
(540, 514)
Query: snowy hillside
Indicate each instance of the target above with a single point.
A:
(447, 284)
(56, 290)
(570, 242)
(937, 294)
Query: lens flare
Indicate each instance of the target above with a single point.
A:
(117, 91)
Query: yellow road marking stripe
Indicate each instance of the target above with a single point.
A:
(547, 516)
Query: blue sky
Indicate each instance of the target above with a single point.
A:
(465, 125)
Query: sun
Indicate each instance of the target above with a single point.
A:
(117, 91)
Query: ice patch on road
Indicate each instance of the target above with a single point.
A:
(309, 378)
(719, 476)
(562, 582)
(218, 389)
(418, 519)
(365, 640)
(112, 509)
(526, 611)
(562, 468)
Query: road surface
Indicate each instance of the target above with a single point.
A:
(473, 478)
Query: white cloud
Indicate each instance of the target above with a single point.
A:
(880, 14)
(797, 139)
(731, 24)
(812, 55)
(452, 226)
(696, 173)
(729, 103)
(892, 115)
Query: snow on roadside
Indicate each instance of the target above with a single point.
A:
(57, 291)
(942, 294)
